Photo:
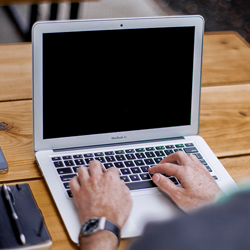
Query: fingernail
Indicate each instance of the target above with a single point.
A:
(156, 178)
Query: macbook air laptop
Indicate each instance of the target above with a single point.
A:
(125, 92)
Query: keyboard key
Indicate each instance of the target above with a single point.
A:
(58, 164)
(64, 170)
(134, 177)
(139, 162)
(130, 151)
(88, 155)
(150, 149)
(169, 152)
(145, 176)
(109, 153)
(159, 153)
(119, 152)
(140, 155)
(130, 156)
(125, 171)
(99, 154)
(67, 177)
(191, 150)
(215, 177)
(158, 160)
(75, 169)
(178, 149)
(70, 194)
(100, 159)
(119, 164)
(149, 161)
(125, 178)
(77, 156)
(110, 158)
(135, 170)
(66, 185)
(179, 146)
(145, 169)
(150, 154)
(79, 162)
(69, 163)
(140, 185)
(169, 146)
(140, 150)
(88, 160)
(208, 168)
(198, 155)
(160, 148)
(108, 165)
(129, 163)
(67, 157)
(57, 158)
(203, 162)
(189, 144)
(120, 157)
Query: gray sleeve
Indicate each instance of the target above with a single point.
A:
(222, 226)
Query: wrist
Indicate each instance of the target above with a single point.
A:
(98, 227)
(103, 239)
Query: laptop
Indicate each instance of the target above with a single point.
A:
(125, 92)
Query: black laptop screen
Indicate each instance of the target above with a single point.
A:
(119, 80)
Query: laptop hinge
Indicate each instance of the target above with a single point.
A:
(119, 144)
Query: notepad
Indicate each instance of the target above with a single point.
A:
(31, 219)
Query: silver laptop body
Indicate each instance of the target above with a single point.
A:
(116, 85)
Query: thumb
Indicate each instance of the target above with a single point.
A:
(165, 184)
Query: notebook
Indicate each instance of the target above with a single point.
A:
(125, 92)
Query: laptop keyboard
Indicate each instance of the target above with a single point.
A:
(133, 164)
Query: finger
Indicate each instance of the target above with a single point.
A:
(179, 158)
(113, 170)
(95, 168)
(74, 185)
(166, 168)
(83, 174)
(165, 185)
(194, 158)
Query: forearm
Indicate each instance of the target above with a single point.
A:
(104, 240)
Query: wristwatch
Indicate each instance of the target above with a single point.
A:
(96, 224)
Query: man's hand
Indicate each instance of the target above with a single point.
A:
(101, 193)
(198, 186)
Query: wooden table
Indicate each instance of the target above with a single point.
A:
(224, 122)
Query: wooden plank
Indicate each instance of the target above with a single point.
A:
(226, 59)
(225, 119)
(237, 167)
(16, 140)
(16, 71)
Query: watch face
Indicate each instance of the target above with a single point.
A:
(90, 226)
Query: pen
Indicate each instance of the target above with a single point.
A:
(16, 222)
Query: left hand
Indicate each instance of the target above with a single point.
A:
(101, 193)
(198, 186)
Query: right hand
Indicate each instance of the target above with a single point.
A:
(198, 186)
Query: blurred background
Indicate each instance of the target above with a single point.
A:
(220, 15)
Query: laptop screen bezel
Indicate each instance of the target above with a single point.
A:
(40, 28)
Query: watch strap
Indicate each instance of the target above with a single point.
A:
(104, 224)
(112, 227)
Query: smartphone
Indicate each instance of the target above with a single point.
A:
(3, 163)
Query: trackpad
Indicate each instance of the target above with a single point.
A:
(153, 207)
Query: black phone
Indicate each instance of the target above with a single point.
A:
(3, 163)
